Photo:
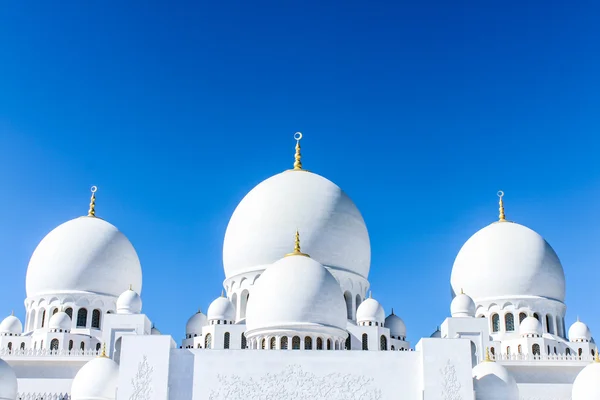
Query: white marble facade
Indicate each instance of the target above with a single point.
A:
(296, 319)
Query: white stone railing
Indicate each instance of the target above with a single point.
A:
(543, 357)
(43, 396)
(47, 353)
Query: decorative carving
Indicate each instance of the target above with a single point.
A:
(142, 381)
(293, 383)
(450, 383)
(43, 396)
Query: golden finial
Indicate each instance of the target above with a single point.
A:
(130, 287)
(298, 156)
(462, 291)
(297, 251)
(103, 354)
(92, 210)
(487, 355)
(597, 356)
(502, 216)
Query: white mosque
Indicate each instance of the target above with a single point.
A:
(296, 319)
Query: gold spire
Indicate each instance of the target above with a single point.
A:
(597, 356)
(502, 216)
(298, 156)
(103, 354)
(462, 291)
(130, 287)
(92, 210)
(487, 355)
(297, 251)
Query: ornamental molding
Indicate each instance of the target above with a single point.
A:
(293, 383)
(450, 384)
(141, 383)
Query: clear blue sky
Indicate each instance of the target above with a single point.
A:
(420, 111)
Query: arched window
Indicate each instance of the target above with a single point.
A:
(349, 342)
(536, 316)
(580, 352)
(520, 349)
(383, 343)
(70, 345)
(54, 345)
(348, 300)
(307, 343)
(42, 345)
(559, 331)
(54, 311)
(43, 316)
(82, 346)
(69, 312)
(263, 343)
(393, 348)
(568, 351)
(226, 340)
(97, 346)
(319, 344)
(549, 326)
(198, 346)
(22, 345)
(9, 346)
(96, 319)
(365, 341)
(81, 318)
(509, 322)
(284, 343)
(244, 296)
(493, 351)
(208, 341)
(508, 350)
(358, 301)
(522, 316)
(296, 343)
(244, 343)
(535, 349)
(495, 323)
(548, 350)
(272, 343)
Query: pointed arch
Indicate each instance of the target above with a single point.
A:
(365, 341)
(383, 343)
(348, 300)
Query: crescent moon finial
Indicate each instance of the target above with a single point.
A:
(298, 156)
(502, 216)
(92, 210)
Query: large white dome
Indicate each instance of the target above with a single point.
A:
(96, 380)
(333, 230)
(492, 381)
(85, 254)
(296, 292)
(507, 259)
(587, 383)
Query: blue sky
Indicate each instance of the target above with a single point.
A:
(420, 112)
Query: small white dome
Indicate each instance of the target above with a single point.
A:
(85, 254)
(396, 325)
(333, 230)
(296, 293)
(492, 381)
(221, 309)
(195, 324)
(8, 382)
(129, 302)
(370, 311)
(587, 383)
(530, 326)
(11, 325)
(579, 332)
(508, 259)
(462, 306)
(60, 321)
(96, 380)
